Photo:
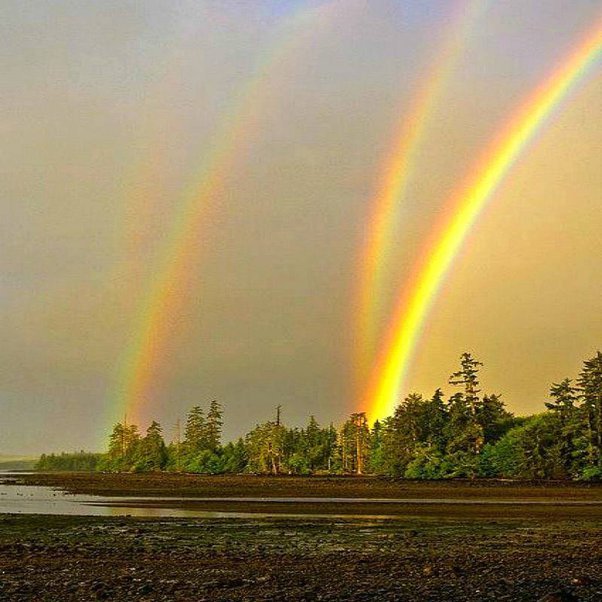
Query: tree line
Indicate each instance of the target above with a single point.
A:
(468, 434)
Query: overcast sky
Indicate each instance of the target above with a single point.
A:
(110, 109)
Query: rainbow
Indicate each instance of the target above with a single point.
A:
(396, 173)
(464, 209)
(159, 315)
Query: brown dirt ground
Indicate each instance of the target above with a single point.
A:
(480, 552)
(50, 558)
(165, 484)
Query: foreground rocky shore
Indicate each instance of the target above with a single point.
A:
(499, 546)
(53, 558)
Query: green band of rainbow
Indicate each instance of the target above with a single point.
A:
(396, 173)
(464, 208)
(158, 319)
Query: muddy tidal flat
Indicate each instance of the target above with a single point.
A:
(550, 548)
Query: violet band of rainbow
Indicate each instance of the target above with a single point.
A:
(463, 210)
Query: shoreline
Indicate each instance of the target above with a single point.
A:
(317, 496)
(73, 558)
(475, 547)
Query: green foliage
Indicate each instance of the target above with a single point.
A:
(591, 473)
(265, 448)
(151, 452)
(214, 426)
(530, 451)
(590, 388)
(376, 457)
(493, 418)
(467, 435)
(196, 432)
(75, 462)
(207, 462)
(123, 447)
(465, 431)
(428, 463)
(235, 457)
(354, 444)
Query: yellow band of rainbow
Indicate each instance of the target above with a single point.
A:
(464, 208)
(158, 319)
(395, 174)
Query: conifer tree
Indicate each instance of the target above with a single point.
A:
(117, 442)
(265, 447)
(376, 447)
(152, 453)
(195, 432)
(492, 416)
(466, 433)
(590, 387)
(468, 377)
(123, 444)
(564, 406)
(435, 418)
(214, 422)
(354, 440)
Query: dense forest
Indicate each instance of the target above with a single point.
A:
(469, 434)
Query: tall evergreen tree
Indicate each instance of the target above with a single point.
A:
(435, 419)
(265, 447)
(123, 443)
(152, 454)
(466, 434)
(117, 442)
(590, 386)
(564, 405)
(376, 447)
(214, 426)
(195, 432)
(565, 398)
(354, 442)
(468, 377)
(493, 418)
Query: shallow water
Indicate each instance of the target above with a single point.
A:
(24, 499)
(31, 499)
(16, 498)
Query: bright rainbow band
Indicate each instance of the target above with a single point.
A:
(463, 210)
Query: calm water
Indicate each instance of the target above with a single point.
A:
(24, 499)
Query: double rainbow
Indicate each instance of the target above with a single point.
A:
(159, 315)
(463, 210)
(396, 173)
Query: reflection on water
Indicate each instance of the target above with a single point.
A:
(30, 499)
(16, 498)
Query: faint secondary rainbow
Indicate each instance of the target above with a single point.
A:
(396, 172)
(158, 317)
(464, 208)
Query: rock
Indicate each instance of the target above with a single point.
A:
(559, 596)
(145, 588)
(582, 580)
(98, 585)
